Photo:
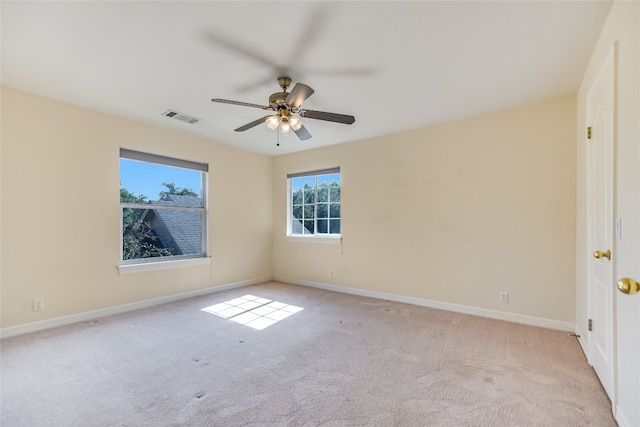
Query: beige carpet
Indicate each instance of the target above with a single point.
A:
(342, 360)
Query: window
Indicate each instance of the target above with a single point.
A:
(163, 208)
(314, 203)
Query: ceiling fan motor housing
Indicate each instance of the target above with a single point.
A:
(278, 98)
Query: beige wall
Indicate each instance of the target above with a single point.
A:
(453, 213)
(60, 210)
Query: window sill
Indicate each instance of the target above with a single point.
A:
(335, 239)
(162, 265)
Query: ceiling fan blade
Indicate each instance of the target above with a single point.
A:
(298, 95)
(242, 104)
(316, 23)
(245, 49)
(252, 124)
(354, 72)
(260, 83)
(302, 133)
(330, 117)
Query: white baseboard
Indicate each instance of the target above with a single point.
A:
(621, 418)
(88, 315)
(582, 340)
(482, 312)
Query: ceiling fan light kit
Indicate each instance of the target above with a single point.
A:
(288, 113)
(284, 120)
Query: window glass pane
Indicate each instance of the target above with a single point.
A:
(308, 212)
(323, 224)
(130, 217)
(323, 194)
(328, 179)
(334, 210)
(308, 227)
(149, 233)
(323, 210)
(309, 196)
(297, 184)
(308, 181)
(149, 182)
(334, 226)
(296, 227)
(297, 212)
(334, 195)
(297, 197)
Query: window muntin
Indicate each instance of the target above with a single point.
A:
(314, 203)
(163, 208)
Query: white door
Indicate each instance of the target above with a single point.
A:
(601, 290)
(627, 409)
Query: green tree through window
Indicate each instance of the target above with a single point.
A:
(314, 207)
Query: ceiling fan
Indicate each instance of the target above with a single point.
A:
(288, 112)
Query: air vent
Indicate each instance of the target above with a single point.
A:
(181, 116)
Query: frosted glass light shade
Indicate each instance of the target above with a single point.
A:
(272, 122)
(285, 128)
(295, 122)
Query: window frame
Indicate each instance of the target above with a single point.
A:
(316, 237)
(173, 261)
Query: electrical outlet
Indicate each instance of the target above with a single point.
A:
(330, 274)
(504, 297)
(38, 304)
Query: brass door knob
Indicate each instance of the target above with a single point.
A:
(628, 286)
(600, 254)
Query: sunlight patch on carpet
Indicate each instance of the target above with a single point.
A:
(255, 312)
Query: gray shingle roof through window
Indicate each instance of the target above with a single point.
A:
(179, 231)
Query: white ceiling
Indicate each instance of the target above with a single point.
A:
(393, 65)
